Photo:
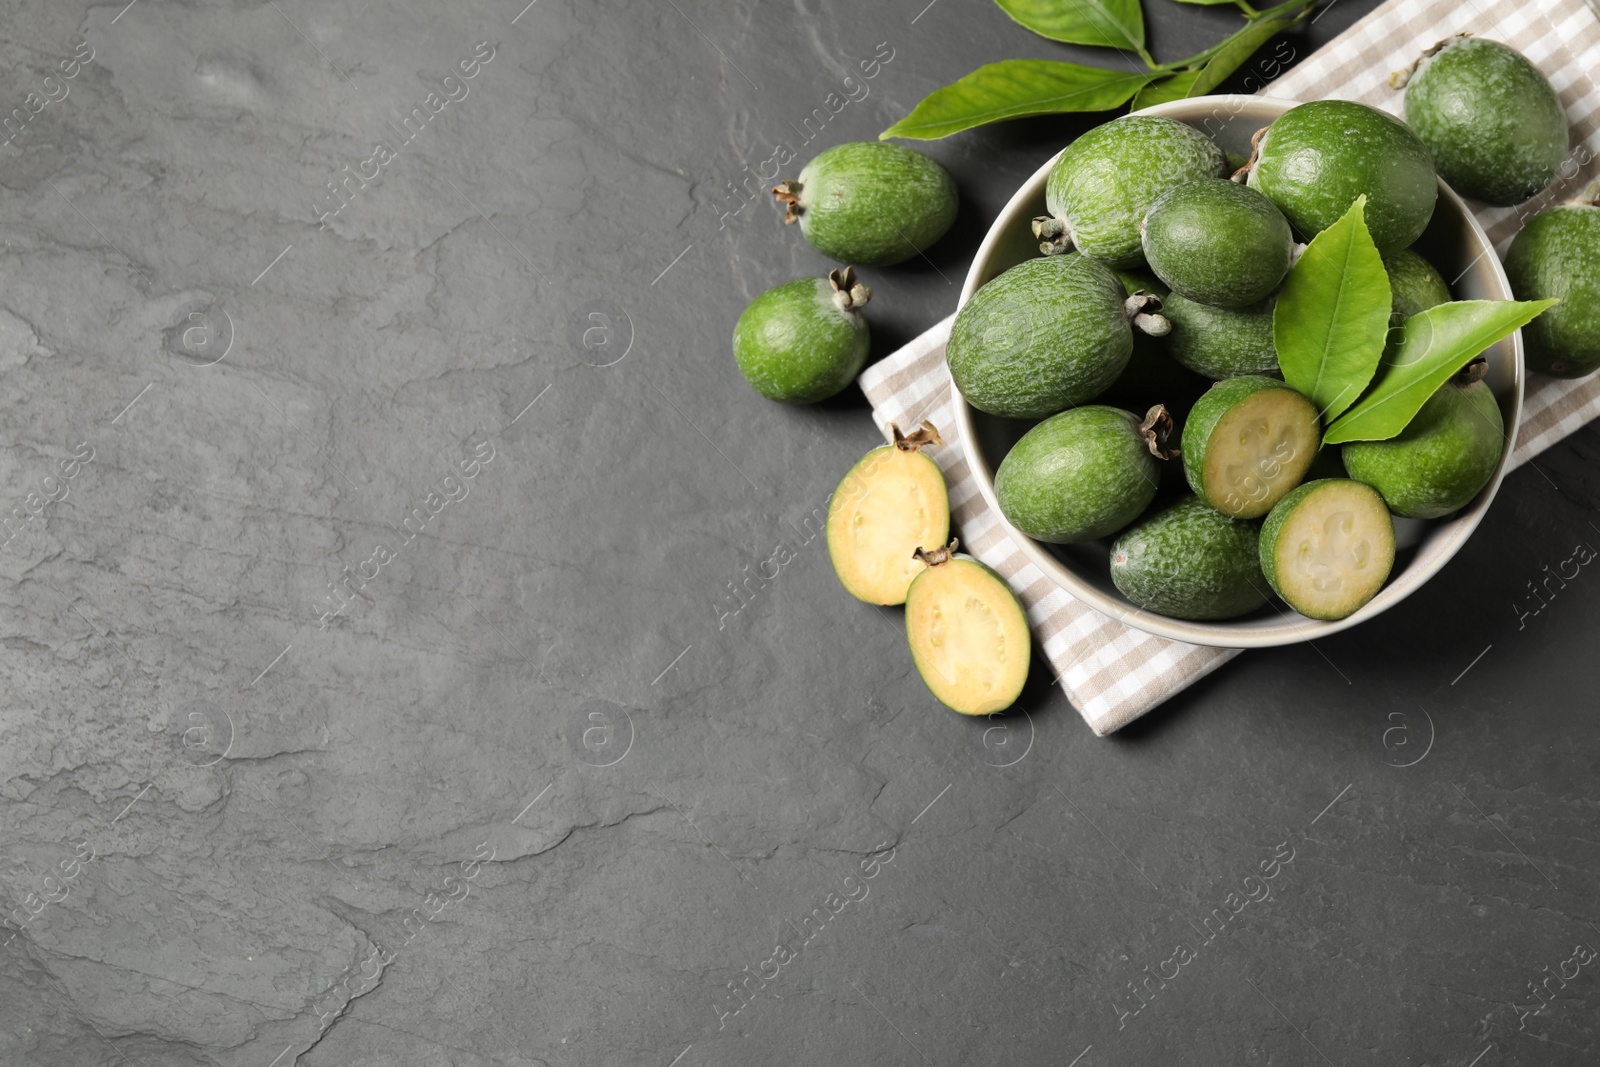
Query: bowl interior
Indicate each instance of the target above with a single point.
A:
(1454, 243)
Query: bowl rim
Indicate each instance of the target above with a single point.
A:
(1224, 634)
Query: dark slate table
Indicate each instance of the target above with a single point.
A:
(372, 693)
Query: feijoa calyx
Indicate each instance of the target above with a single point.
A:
(1328, 547)
(870, 202)
(1558, 255)
(1495, 127)
(805, 340)
(1217, 243)
(968, 633)
(892, 502)
(1084, 473)
(1247, 442)
(1316, 158)
(1104, 182)
(1190, 561)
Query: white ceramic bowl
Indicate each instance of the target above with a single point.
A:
(1454, 242)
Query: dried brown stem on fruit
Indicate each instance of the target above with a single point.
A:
(1144, 311)
(1472, 372)
(788, 193)
(1156, 428)
(1400, 78)
(848, 294)
(1055, 237)
(938, 555)
(1239, 176)
(926, 434)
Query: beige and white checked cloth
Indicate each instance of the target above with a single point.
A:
(1112, 673)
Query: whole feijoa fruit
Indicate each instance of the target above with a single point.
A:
(1558, 255)
(1444, 456)
(805, 340)
(1315, 159)
(1217, 242)
(968, 633)
(1190, 561)
(1328, 547)
(1415, 285)
(891, 503)
(870, 202)
(1496, 129)
(1247, 442)
(1084, 473)
(1044, 336)
(1101, 187)
(1221, 342)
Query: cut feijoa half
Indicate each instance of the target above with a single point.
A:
(1327, 547)
(891, 503)
(1190, 562)
(968, 633)
(1247, 442)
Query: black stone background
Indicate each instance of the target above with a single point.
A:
(283, 818)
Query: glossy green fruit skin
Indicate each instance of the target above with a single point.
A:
(1079, 475)
(1221, 342)
(1441, 460)
(1495, 127)
(1190, 562)
(875, 203)
(793, 344)
(1414, 284)
(1106, 180)
(1558, 255)
(1046, 335)
(1217, 243)
(1318, 157)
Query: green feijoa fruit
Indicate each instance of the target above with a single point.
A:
(1495, 127)
(1558, 255)
(805, 340)
(1221, 342)
(1247, 442)
(1217, 243)
(1101, 187)
(870, 202)
(1084, 473)
(1444, 456)
(968, 633)
(1414, 284)
(1317, 158)
(1152, 375)
(1190, 562)
(1044, 336)
(891, 503)
(1328, 547)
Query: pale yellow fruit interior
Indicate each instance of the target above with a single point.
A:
(890, 505)
(1259, 451)
(969, 638)
(1334, 551)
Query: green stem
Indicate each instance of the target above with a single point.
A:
(1249, 12)
(1149, 60)
(1300, 7)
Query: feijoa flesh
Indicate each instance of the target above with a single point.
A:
(1247, 442)
(1084, 473)
(1328, 547)
(1558, 255)
(1221, 342)
(1104, 182)
(1190, 561)
(805, 340)
(1316, 158)
(1217, 243)
(870, 202)
(1495, 127)
(891, 503)
(968, 633)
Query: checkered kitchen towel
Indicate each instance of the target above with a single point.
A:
(1113, 674)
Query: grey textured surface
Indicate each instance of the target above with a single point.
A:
(532, 790)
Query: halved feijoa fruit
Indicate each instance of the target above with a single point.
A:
(1190, 562)
(891, 503)
(968, 633)
(1327, 547)
(1247, 442)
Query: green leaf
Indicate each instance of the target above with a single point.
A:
(1434, 345)
(1333, 313)
(1013, 88)
(1105, 23)
(1292, 11)
(1173, 87)
(1206, 3)
(1238, 49)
